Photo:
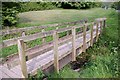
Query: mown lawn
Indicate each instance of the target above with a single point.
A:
(103, 56)
(35, 18)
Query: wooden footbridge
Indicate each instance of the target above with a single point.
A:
(52, 55)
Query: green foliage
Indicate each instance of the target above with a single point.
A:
(116, 5)
(10, 9)
(8, 51)
(9, 13)
(34, 6)
(73, 15)
(64, 73)
(103, 56)
(40, 74)
(77, 5)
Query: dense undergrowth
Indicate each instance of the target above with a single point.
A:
(103, 56)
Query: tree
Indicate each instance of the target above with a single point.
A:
(9, 13)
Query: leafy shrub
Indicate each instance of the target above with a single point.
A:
(9, 13)
(9, 16)
(116, 5)
(78, 5)
(34, 6)
(10, 9)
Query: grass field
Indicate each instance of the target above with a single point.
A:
(103, 60)
(33, 18)
(104, 65)
(36, 18)
(103, 56)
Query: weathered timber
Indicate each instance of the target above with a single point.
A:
(84, 38)
(97, 35)
(10, 42)
(56, 63)
(91, 41)
(17, 30)
(43, 39)
(13, 41)
(21, 50)
(73, 44)
(61, 53)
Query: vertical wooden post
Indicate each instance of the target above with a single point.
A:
(56, 57)
(56, 28)
(73, 44)
(21, 50)
(43, 39)
(97, 31)
(23, 33)
(100, 27)
(67, 31)
(84, 38)
(8, 30)
(104, 23)
(91, 41)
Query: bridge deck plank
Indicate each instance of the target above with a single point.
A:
(42, 60)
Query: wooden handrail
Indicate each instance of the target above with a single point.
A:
(4, 32)
(87, 29)
(10, 42)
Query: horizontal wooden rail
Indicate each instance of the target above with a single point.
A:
(10, 42)
(41, 49)
(13, 41)
(17, 30)
(81, 40)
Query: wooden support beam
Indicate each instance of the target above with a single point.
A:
(100, 27)
(104, 23)
(43, 39)
(73, 44)
(21, 51)
(91, 41)
(55, 50)
(23, 33)
(67, 31)
(84, 38)
(97, 31)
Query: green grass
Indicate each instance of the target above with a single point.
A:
(34, 18)
(103, 60)
(65, 73)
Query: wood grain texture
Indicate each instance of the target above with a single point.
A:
(56, 63)
(58, 53)
(17, 30)
(84, 38)
(22, 56)
(73, 44)
(97, 35)
(91, 41)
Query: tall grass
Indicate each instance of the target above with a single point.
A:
(103, 60)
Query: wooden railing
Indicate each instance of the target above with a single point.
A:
(42, 34)
(85, 28)
(22, 30)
